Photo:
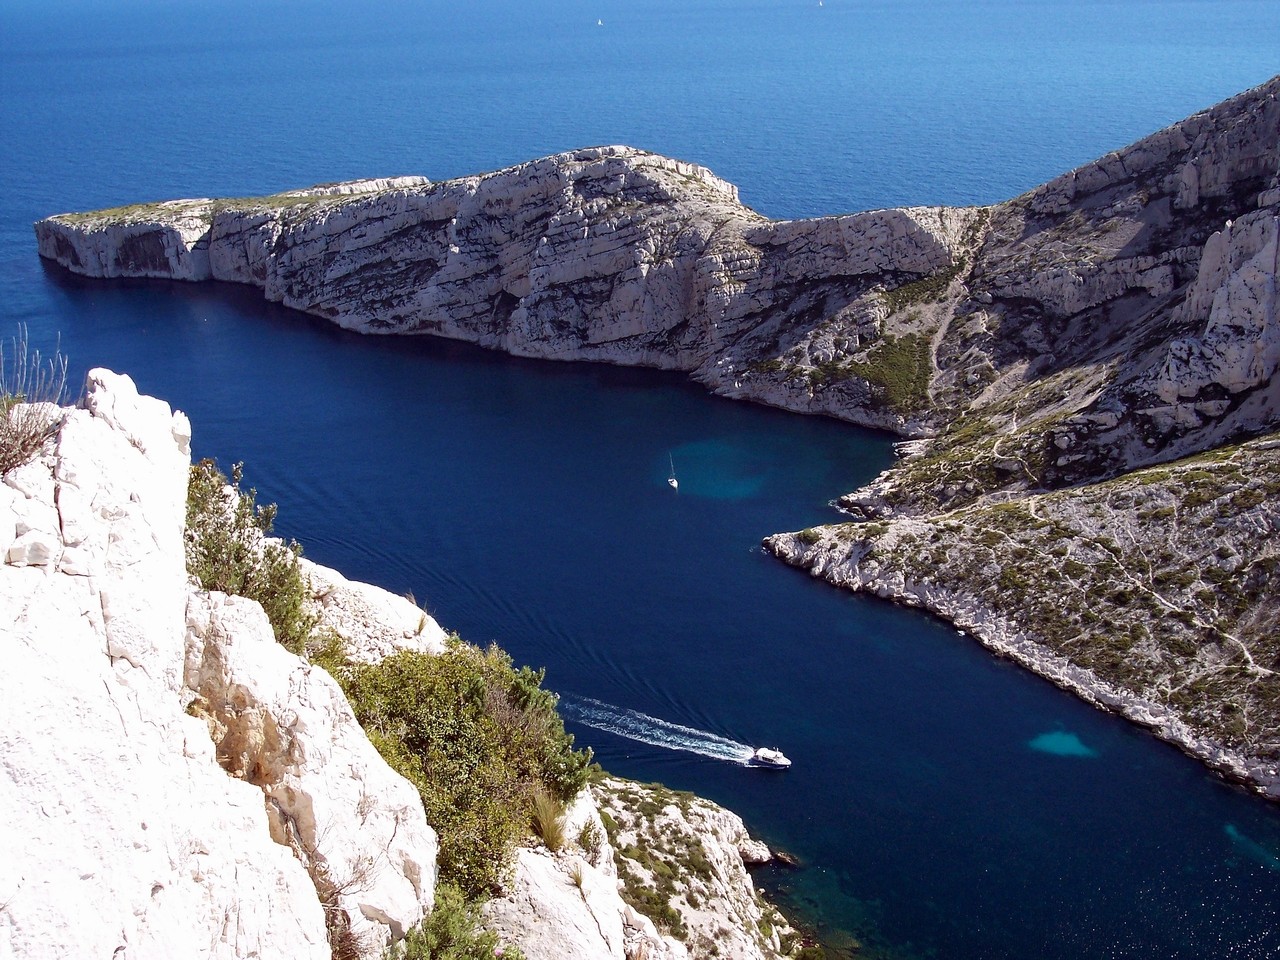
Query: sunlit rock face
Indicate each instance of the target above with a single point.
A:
(175, 783)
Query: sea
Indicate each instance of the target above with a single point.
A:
(942, 803)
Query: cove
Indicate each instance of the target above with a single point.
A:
(526, 503)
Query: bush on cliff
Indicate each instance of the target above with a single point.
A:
(451, 932)
(479, 739)
(226, 551)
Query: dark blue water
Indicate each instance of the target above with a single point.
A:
(943, 803)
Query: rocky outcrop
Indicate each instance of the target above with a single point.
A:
(608, 254)
(175, 782)
(1152, 595)
(566, 904)
(370, 622)
(1232, 362)
(286, 727)
(604, 894)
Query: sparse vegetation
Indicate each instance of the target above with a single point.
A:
(899, 367)
(665, 866)
(165, 211)
(451, 931)
(27, 379)
(925, 290)
(227, 551)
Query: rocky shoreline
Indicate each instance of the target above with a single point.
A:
(1002, 636)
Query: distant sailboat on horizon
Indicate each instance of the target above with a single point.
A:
(671, 480)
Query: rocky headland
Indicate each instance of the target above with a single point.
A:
(176, 783)
(1087, 371)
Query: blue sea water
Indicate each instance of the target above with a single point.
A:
(942, 803)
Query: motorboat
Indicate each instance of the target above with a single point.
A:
(768, 757)
(671, 480)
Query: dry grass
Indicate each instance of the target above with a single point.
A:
(27, 381)
(548, 819)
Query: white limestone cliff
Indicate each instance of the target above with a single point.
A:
(129, 830)
(1235, 301)
(608, 253)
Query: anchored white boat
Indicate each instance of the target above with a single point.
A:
(768, 757)
(674, 483)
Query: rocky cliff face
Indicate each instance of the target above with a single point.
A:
(176, 783)
(680, 863)
(607, 254)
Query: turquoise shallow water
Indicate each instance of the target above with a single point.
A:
(943, 803)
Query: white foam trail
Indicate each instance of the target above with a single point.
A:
(657, 733)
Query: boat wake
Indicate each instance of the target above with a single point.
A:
(657, 733)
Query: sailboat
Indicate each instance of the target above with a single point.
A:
(671, 480)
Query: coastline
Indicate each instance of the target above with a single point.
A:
(998, 634)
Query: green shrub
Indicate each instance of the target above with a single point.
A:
(27, 378)
(590, 840)
(226, 552)
(900, 368)
(924, 290)
(451, 932)
(479, 739)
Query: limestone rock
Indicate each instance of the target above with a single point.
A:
(607, 253)
(549, 914)
(705, 849)
(373, 623)
(1234, 297)
(125, 836)
(567, 905)
(287, 728)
